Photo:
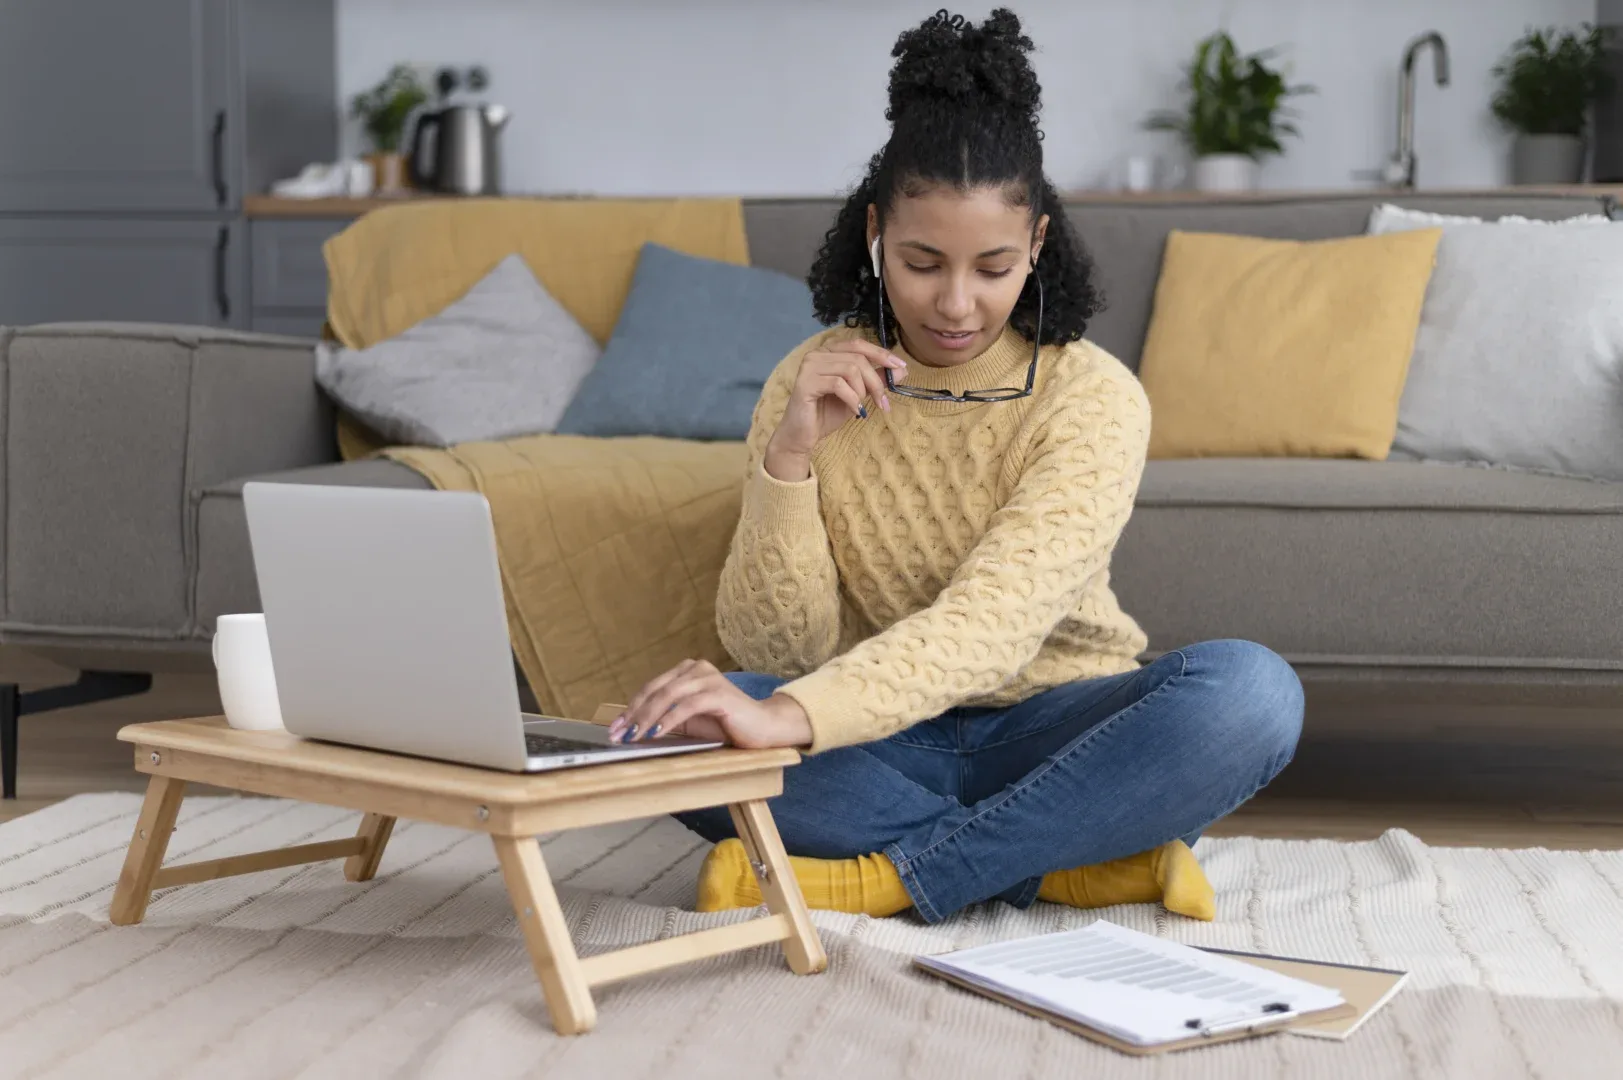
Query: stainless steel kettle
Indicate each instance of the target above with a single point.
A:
(465, 155)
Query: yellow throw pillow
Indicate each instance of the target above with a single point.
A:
(1283, 348)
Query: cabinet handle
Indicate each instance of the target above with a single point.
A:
(219, 157)
(222, 296)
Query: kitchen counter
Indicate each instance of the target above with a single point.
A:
(271, 206)
(1593, 191)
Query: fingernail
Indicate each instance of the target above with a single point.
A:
(631, 732)
(653, 732)
(862, 411)
(884, 402)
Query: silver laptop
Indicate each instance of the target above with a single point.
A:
(388, 630)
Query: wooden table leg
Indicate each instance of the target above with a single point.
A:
(375, 830)
(779, 889)
(546, 934)
(146, 851)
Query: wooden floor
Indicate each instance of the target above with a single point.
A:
(1333, 789)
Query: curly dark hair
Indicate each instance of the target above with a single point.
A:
(963, 111)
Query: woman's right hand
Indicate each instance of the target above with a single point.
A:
(827, 393)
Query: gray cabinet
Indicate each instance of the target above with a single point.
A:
(301, 324)
(122, 269)
(289, 273)
(289, 269)
(130, 131)
(112, 105)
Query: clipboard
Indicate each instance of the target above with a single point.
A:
(1140, 994)
(1254, 1030)
(1366, 989)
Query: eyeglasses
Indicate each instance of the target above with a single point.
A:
(1002, 393)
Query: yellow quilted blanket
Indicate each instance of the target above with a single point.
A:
(610, 553)
(610, 549)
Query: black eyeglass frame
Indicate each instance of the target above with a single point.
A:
(968, 397)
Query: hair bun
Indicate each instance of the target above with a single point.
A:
(947, 59)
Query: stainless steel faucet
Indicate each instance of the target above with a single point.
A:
(1399, 169)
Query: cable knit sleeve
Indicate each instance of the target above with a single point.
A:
(778, 609)
(1037, 558)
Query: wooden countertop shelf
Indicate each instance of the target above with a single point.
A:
(271, 206)
(274, 206)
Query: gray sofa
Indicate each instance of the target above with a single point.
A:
(126, 447)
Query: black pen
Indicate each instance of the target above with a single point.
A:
(1271, 1013)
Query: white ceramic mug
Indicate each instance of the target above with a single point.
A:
(1146, 172)
(242, 660)
(1138, 173)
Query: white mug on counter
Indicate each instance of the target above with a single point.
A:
(242, 660)
(1147, 172)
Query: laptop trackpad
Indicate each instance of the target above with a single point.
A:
(574, 730)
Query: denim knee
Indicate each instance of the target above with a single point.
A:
(1259, 692)
(759, 687)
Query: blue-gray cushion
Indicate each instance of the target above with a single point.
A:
(691, 350)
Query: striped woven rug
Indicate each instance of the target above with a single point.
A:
(1517, 959)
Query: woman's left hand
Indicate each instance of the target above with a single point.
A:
(694, 698)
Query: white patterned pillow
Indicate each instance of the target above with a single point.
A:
(1518, 361)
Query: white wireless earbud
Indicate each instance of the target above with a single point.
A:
(873, 250)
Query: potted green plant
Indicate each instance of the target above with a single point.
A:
(384, 111)
(1547, 82)
(1236, 114)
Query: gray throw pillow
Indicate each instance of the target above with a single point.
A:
(501, 361)
(691, 350)
(1518, 361)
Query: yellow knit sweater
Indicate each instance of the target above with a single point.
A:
(941, 554)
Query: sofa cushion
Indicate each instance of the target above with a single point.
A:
(695, 343)
(785, 234)
(1377, 563)
(1519, 358)
(1125, 238)
(224, 579)
(1286, 348)
(502, 360)
(108, 426)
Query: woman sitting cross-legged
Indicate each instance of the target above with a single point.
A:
(920, 578)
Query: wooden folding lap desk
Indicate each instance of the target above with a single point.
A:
(512, 808)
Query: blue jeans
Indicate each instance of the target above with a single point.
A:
(979, 804)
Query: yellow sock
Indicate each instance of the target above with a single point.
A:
(1169, 874)
(866, 885)
(869, 884)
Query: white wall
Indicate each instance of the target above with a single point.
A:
(760, 97)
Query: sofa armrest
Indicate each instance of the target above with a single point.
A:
(108, 430)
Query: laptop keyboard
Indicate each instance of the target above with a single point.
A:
(542, 745)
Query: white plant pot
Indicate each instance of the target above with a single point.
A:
(1225, 172)
(1547, 159)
